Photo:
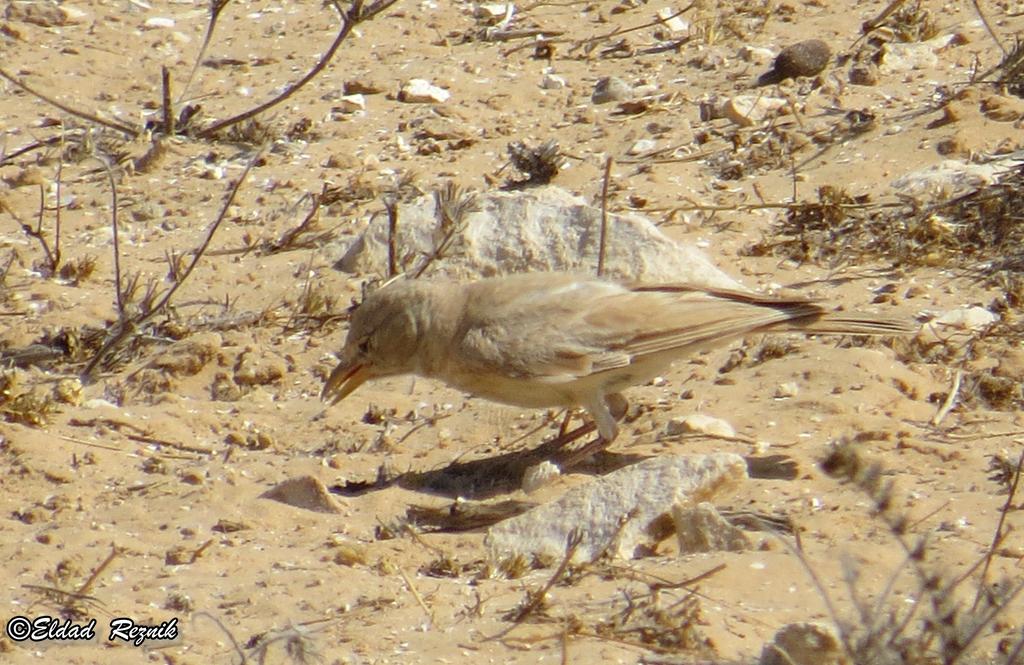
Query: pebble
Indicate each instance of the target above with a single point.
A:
(611, 89)
(699, 423)
(351, 103)
(804, 643)
(788, 389)
(865, 74)
(552, 82)
(159, 22)
(967, 318)
(672, 20)
(642, 146)
(750, 110)
(420, 91)
(806, 58)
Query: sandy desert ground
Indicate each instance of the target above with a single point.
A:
(137, 493)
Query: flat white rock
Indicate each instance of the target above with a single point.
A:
(420, 91)
(750, 110)
(613, 513)
(700, 423)
(967, 318)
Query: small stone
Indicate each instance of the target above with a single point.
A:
(673, 20)
(967, 318)
(539, 475)
(864, 74)
(804, 643)
(192, 478)
(351, 103)
(420, 91)
(702, 528)
(947, 178)
(552, 82)
(642, 146)
(303, 492)
(356, 87)
(750, 110)
(699, 423)
(788, 389)
(806, 58)
(158, 22)
(611, 89)
(493, 11)
(748, 53)
(905, 57)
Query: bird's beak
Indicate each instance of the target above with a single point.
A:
(344, 380)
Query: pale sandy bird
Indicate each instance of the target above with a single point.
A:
(560, 339)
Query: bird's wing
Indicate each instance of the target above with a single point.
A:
(574, 328)
(656, 319)
(535, 328)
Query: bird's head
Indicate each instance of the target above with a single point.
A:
(383, 338)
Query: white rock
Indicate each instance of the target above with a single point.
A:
(542, 228)
(420, 91)
(788, 389)
(351, 103)
(947, 178)
(159, 22)
(611, 89)
(99, 403)
(539, 475)
(699, 423)
(73, 14)
(552, 82)
(758, 54)
(642, 146)
(613, 513)
(967, 318)
(905, 57)
(493, 10)
(673, 20)
(303, 492)
(804, 643)
(702, 528)
(750, 110)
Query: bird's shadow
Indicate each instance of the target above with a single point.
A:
(503, 474)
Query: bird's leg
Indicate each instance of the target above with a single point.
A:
(566, 421)
(605, 411)
(617, 405)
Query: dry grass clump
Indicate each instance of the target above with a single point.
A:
(1011, 70)
(942, 624)
(979, 232)
(25, 406)
(908, 23)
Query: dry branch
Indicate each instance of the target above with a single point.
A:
(355, 15)
(127, 327)
(128, 130)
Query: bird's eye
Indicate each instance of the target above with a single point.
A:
(364, 346)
